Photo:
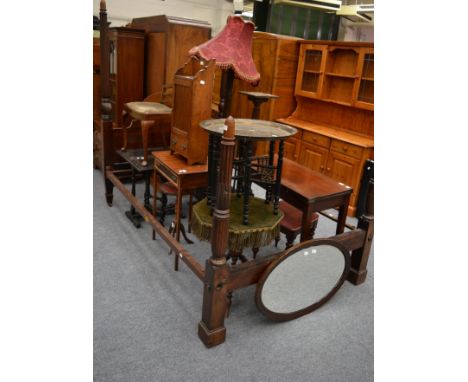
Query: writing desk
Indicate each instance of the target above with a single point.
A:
(185, 178)
(311, 191)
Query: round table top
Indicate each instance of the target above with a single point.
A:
(258, 94)
(254, 129)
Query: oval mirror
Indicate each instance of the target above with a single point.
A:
(302, 279)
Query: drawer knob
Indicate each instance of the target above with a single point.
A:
(345, 148)
(322, 167)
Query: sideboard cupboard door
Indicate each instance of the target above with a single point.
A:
(313, 156)
(312, 61)
(291, 148)
(344, 169)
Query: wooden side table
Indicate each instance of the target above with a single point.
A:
(311, 191)
(185, 178)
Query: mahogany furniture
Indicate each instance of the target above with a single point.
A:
(311, 191)
(123, 81)
(193, 89)
(291, 225)
(180, 174)
(219, 279)
(334, 114)
(168, 40)
(134, 158)
(96, 102)
(147, 113)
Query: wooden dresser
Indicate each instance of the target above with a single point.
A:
(334, 114)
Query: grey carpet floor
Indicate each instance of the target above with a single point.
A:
(146, 317)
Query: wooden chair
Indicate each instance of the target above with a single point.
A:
(147, 112)
(292, 222)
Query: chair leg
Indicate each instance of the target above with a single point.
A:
(290, 237)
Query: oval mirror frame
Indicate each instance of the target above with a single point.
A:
(290, 252)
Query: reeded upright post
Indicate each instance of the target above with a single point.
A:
(211, 328)
(358, 272)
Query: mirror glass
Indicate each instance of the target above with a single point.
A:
(303, 279)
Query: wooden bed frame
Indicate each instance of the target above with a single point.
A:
(220, 279)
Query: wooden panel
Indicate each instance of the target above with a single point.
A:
(337, 116)
(313, 156)
(180, 39)
(275, 58)
(317, 139)
(291, 148)
(155, 52)
(346, 148)
(343, 168)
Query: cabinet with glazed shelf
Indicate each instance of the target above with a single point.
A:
(337, 72)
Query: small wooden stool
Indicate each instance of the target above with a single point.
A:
(292, 222)
(148, 113)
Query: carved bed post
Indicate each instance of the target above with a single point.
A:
(358, 272)
(211, 328)
(106, 117)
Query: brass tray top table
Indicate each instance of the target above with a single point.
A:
(147, 113)
(248, 167)
(185, 178)
(311, 191)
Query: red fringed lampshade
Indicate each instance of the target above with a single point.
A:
(232, 48)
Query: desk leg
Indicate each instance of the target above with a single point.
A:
(342, 216)
(178, 212)
(305, 227)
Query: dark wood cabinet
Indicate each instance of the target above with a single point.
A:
(127, 49)
(126, 66)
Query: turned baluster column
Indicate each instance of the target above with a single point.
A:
(211, 328)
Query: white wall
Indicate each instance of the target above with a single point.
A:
(355, 32)
(121, 12)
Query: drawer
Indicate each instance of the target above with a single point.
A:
(165, 171)
(317, 139)
(179, 142)
(347, 148)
